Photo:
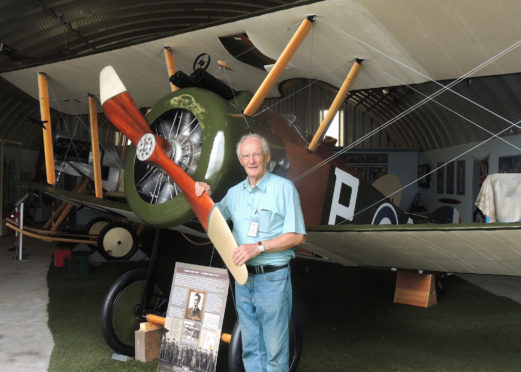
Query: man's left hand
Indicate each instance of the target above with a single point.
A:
(202, 187)
(245, 252)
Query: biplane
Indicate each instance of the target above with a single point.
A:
(195, 119)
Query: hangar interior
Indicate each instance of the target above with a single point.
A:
(441, 151)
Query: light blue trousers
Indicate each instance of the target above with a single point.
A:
(264, 307)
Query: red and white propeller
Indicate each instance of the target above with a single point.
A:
(121, 110)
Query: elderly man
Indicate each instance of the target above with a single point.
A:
(267, 225)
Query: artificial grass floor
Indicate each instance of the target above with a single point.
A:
(74, 313)
(357, 327)
(349, 323)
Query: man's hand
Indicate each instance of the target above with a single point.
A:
(202, 187)
(245, 252)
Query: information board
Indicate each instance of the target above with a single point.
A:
(194, 319)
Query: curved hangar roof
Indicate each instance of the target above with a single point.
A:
(403, 47)
(37, 32)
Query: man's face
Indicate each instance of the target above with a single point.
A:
(253, 159)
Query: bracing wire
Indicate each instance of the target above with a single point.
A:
(391, 121)
(415, 106)
(433, 170)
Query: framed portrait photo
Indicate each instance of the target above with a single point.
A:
(195, 305)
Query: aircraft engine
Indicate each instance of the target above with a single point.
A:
(202, 128)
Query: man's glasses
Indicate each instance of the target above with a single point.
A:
(255, 155)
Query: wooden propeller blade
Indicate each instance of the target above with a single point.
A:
(121, 110)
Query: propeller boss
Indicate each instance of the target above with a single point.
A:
(145, 146)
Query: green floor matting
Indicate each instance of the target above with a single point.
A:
(350, 324)
(74, 313)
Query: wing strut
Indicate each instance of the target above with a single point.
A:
(123, 113)
(79, 188)
(170, 64)
(68, 206)
(335, 106)
(279, 66)
(45, 115)
(94, 136)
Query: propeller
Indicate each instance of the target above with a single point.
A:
(121, 110)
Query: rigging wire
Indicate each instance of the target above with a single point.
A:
(79, 120)
(411, 109)
(260, 112)
(493, 135)
(432, 171)
(415, 106)
(389, 122)
(448, 87)
(464, 117)
(66, 127)
(235, 97)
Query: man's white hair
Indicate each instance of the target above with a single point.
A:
(265, 146)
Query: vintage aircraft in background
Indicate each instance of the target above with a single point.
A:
(200, 121)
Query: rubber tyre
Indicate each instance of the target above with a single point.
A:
(119, 320)
(117, 241)
(235, 348)
(95, 225)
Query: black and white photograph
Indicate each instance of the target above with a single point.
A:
(195, 305)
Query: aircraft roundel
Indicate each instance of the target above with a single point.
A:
(385, 215)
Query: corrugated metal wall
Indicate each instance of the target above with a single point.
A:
(306, 99)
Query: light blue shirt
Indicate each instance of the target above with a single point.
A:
(274, 204)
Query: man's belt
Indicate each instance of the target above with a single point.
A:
(265, 269)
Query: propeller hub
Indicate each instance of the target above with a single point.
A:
(176, 152)
(145, 146)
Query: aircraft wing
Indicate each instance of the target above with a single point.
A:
(475, 248)
(105, 206)
(442, 40)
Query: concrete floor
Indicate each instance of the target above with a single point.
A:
(26, 342)
(25, 339)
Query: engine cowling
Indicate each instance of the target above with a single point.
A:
(203, 129)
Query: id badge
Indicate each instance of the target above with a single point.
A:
(254, 226)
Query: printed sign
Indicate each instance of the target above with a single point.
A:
(194, 319)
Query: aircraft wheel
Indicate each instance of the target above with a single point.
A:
(95, 225)
(202, 135)
(117, 241)
(121, 309)
(295, 346)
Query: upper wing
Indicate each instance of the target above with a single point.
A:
(442, 40)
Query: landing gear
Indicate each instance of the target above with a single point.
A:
(134, 295)
(122, 310)
(117, 241)
(295, 346)
(95, 225)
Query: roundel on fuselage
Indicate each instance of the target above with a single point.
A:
(385, 215)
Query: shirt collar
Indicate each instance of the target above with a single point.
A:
(261, 185)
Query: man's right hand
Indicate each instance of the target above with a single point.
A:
(202, 187)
